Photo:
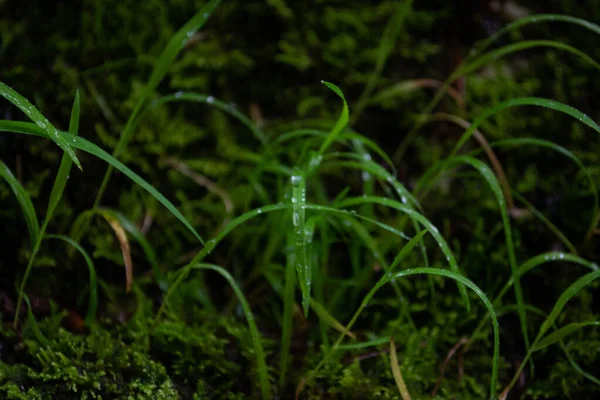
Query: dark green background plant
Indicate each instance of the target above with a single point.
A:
(232, 117)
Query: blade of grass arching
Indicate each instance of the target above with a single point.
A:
(468, 66)
(426, 179)
(571, 291)
(492, 182)
(561, 333)
(65, 164)
(386, 46)
(485, 146)
(533, 19)
(340, 123)
(210, 245)
(24, 201)
(421, 220)
(494, 55)
(36, 116)
(90, 317)
(527, 266)
(89, 147)
(553, 228)
(33, 325)
(139, 237)
(303, 270)
(173, 47)
(397, 373)
(461, 280)
(221, 105)
(563, 151)
(263, 376)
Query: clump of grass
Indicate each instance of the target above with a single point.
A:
(381, 220)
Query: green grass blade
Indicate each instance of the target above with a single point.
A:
(264, 383)
(494, 55)
(526, 101)
(36, 116)
(571, 291)
(408, 247)
(90, 317)
(561, 333)
(91, 148)
(170, 52)
(221, 105)
(24, 201)
(423, 221)
(288, 308)
(33, 325)
(494, 185)
(362, 345)
(303, 270)
(329, 319)
(534, 19)
(65, 163)
(340, 123)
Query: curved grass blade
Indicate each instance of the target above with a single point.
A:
(173, 47)
(340, 123)
(362, 345)
(264, 383)
(24, 201)
(139, 237)
(462, 281)
(533, 19)
(559, 334)
(125, 248)
(221, 105)
(36, 116)
(526, 101)
(90, 317)
(423, 221)
(65, 163)
(571, 291)
(35, 328)
(408, 247)
(493, 55)
(561, 150)
(491, 180)
(91, 148)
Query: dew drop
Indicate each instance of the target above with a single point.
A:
(210, 99)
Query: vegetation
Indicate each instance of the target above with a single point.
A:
(209, 215)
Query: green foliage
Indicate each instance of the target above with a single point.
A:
(228, 135)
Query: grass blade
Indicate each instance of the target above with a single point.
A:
(36, 116)
(125, 248)
(264, 383)
(221, 105)
(340, 123)
(559, 334)
(33, 325)
(173, 47)
(65, 163)
(491, 180)
(90, 317)
(397, 373)
(24, 201)
(303, 270)
(91, 148)
(329, 319)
